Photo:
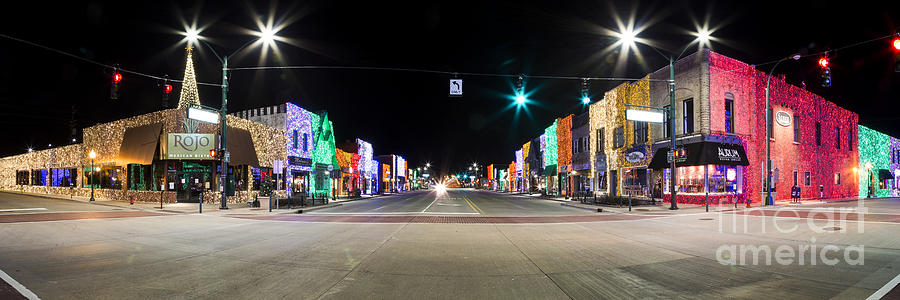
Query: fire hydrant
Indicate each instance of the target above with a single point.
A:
(131, 199)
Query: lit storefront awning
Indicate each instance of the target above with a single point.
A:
(240, 148)
(139, 144)
(703, 153)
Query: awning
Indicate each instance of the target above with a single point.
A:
(885, 174)
(703, 153)
(139, 144)
(240, 147)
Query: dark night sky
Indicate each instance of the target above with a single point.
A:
(409, 113)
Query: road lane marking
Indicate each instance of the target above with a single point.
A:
(471, 205)
(429, 205)
(21, 209)
(476, 205)
(18, 286)
(885, 289)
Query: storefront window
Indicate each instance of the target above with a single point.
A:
(63, 177)
(635, 182)
(261, 175)
(39, 177)
(22, 178)
(140, 177)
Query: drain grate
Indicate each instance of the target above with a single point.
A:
(832, 228)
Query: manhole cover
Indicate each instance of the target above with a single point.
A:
(832, 228)
(706, 219)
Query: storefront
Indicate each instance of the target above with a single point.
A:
(708, 172)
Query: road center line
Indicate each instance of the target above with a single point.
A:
(18, 286)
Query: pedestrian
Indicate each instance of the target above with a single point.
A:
(131, 199)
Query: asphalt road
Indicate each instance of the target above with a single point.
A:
(15, 203)
(456, 202)
(222, 257)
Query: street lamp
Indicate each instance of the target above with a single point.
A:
(266, 36)
(769, 182)
(92, 155)
(628, 38)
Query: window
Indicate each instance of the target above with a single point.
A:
(688, 112)
(63, 177)
(796, 128)
(640, 132)
(818, 134)
(850, 138)
(729, 113)
(795, 178)
(140, 177)
(837, 137)
(667, 121)
(806, 178)
(837, 178)
(39, 177)
(305, 142)
(771, 122)
(22, 177)
(600, 140)
(295, 140)
(619, 137)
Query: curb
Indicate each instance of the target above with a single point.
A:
(597, 209)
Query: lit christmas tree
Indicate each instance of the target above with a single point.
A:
(189, 95)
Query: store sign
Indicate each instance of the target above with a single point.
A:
(191, 146)
(783, 118)
(726, 154)
(299, 161)
(634, 157)
(203, 115)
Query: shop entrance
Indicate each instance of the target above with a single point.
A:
(191, 181)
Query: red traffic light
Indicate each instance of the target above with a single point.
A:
(212, 153)
(117, 77)
(168, 88)
(823, 62)
(896, 43)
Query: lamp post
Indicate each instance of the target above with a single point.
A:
(266, 36)
(629, 38)
(92, 155)
(768, 125)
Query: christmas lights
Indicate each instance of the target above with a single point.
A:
(874, 155)
(189, 96)
(564, 143)
(549, 147)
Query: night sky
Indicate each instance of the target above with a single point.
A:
(409, 113)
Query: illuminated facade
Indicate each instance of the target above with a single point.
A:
(564, 154)
(878, 163)
(128, 162)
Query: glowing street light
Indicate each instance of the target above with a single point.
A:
(585, 100)
(92, 155)
(266, 37)
(520, 99)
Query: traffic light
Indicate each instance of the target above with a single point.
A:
(896, 44)
(825, 64)
(212, 153)
(167, 88)
(114, 89)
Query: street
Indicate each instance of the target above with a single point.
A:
(226, 255)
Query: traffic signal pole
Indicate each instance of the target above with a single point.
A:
(224, 117)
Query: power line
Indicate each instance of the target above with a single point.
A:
(816, 54)
(440, 72)
(96, 62)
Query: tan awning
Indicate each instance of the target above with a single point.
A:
(240, 147)
(139, 144)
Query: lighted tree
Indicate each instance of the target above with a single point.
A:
(189, 95)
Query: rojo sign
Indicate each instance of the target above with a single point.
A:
(187, 145)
